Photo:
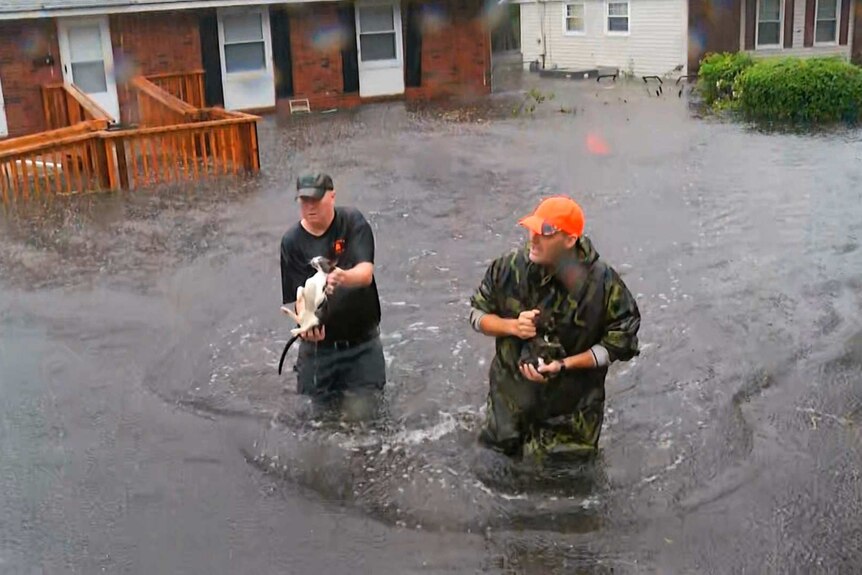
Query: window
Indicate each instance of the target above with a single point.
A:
(768, 23)
(244, 49)
(826, 27)
(573, 18)
(377, 33)
(87, 58)
(618, 17)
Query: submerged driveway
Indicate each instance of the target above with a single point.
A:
(144, 428)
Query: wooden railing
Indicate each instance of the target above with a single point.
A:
(156, 107)
(187, 86)
(51, 135)
(65, 105)
(176, 142)
(65, 161)
(192, 151)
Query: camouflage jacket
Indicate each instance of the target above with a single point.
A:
(589, 304)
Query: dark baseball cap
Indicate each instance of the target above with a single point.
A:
(313, 185)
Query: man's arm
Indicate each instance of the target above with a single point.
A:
(524, 326)
(288, 280)
(359, 275)
(484, 308)
(361, 244)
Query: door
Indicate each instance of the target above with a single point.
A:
(211, 59)
(378, 35)
(4, 127)
(413, 49)
(245, 43)
(279, 21)
(88, 61)
(349, 50)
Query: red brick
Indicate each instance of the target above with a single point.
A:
(455, 57)
(153, 43)
(317, 72)
(22, 77)
(712, 27)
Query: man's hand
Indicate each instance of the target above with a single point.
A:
(530, 372)
(337, 277)
(540, 374)
(315, 334)
(360, 275)
(525, 325)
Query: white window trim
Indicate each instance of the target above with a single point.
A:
(566, 31)
(399, 56)
(757, 44)
(4, 125)
(267, 42)
(837, 23)
(608, 31)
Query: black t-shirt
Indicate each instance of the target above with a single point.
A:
(352, 312)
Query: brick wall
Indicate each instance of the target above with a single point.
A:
(455, 50)
(21, 77)
(143, 44)
(712, 27)
(151, 44)
(316, 54)
(455, 54)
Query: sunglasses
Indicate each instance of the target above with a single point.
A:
(549, 230)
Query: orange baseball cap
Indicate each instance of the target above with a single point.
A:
(556, 214)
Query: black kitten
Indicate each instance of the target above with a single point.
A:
(545, 346)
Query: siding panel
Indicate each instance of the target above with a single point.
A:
(656, 43)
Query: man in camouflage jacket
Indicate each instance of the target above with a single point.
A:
(553, 402)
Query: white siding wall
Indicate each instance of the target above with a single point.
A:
(531, 34)
(798, 23)
(656, 44)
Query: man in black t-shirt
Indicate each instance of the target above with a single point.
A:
(345, 354)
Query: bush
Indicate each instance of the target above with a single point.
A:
(718, 72)
(794, 90)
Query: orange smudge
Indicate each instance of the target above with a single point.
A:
(596, 145)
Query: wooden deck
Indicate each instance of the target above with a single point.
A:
(176, 139)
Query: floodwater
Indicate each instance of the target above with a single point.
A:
(144, 429)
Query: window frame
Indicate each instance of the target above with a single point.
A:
(781, 16)
(834, 41)
(265, 40)
(608, 17)
(396, 32)
(583, 30)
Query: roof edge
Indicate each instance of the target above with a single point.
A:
(138, 8)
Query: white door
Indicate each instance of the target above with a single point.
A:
(378, 36)
(88, 61)
(245, 43)
(4, 128)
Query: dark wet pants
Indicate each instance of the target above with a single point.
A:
(516, 429)
(329, 371)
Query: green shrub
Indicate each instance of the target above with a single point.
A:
(801, 91)
(718, 72)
